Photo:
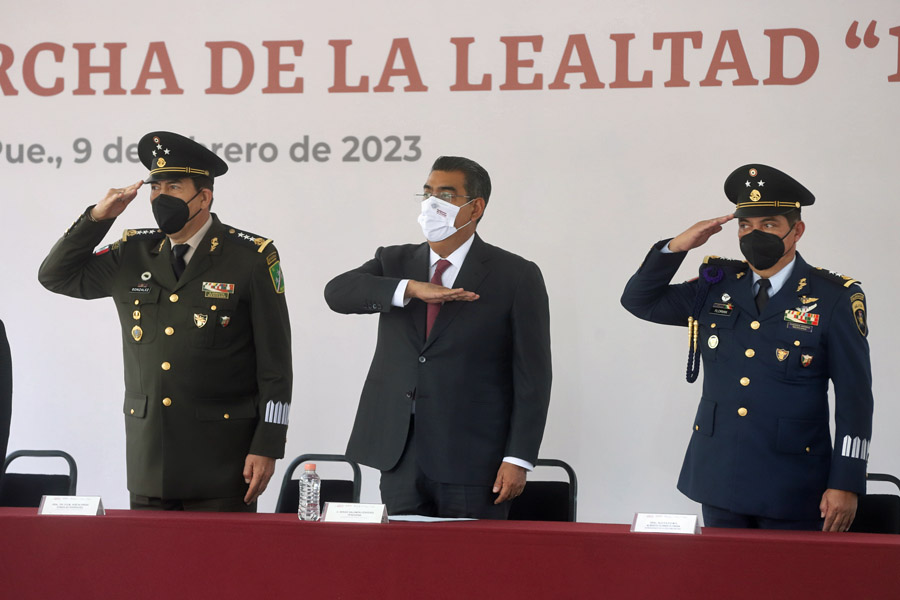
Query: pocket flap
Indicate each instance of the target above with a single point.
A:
(801, 436)
(222, 409)
(135, 405)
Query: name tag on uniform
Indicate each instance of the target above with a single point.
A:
(721, 308)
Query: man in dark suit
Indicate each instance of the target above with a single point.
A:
(205, 334)
(453, 409)
(5, 390)
(771, 333)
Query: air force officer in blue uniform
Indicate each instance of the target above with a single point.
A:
(771, 332)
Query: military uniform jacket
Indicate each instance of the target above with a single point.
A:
(480, 381)
(207, 357)
(761, 443)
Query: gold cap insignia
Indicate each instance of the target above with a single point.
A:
(160, 162)
(755, 195)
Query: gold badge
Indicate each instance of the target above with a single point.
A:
(213, 244)
(858, 306)
(160, 162)
(200, 320)
(805, 359)
(807, 300)
(755, 195)
(781, 354)
(713, 342)
(137, 333)
(136, 315)
(802, 285)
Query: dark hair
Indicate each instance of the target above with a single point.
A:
(792, 216)
(201, 181)
(478, 182)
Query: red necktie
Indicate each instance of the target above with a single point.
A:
(434, 309)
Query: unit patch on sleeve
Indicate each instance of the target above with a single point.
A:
(277, 277)
(858, 306)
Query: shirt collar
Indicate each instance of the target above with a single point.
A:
(457, 257)
(195, 239)
(777, 280)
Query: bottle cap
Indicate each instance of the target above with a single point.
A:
(309, 467)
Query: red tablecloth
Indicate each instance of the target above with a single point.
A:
(188, 555)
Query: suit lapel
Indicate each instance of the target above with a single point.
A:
(417, 270)
(202, 260)
(742, 295)
(470, 276)
(161, 264)
(788, 296)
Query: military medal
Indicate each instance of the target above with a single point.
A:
(224, 320)
(136, 315)
(781, 354)
(805, 359)
(712, 342)
(137, 333)
(200, 320)
(796, 316)
(807, 300)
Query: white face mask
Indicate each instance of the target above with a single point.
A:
(438, 217)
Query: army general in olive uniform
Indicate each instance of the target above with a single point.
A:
(772, 333)
(205, 333)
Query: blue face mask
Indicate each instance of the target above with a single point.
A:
(172, 213)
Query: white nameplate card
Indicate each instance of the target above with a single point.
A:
(351, 512)
(71, 505)
(657, 523)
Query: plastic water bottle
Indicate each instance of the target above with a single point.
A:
(308, 508)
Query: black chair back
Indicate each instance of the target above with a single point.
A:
(548, 500)
(332, 490)
(878, 513)
(26, 489)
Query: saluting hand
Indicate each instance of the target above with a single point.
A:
(435, 294)
(115, 202)
(697, 234)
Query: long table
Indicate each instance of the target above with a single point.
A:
(129, 554)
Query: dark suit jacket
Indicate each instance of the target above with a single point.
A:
(760, 442)
(207, 357)
(481, 381)
(5, 390)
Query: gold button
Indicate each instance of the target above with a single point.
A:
(231, 231)
(745, 381)
(227, 416)
(136, 315)
(173, 298)
(750, 353)
(796, 342)
(132, 411)
(166, 366)
(754, 325)
(170, 330)
(712, 325)
(137, 302)
(696, 428)
(213, 307)
(167, 402)
(742, 411)
(807, 449)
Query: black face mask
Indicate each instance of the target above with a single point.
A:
(763, 250)
(172, 213)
